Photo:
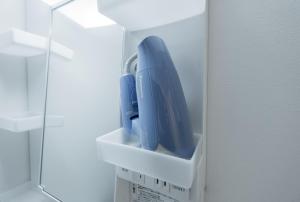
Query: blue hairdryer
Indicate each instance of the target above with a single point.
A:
(154, 97)
(129, 105)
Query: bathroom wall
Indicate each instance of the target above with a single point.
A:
(36, 76)
(85, 90)
(253, 101)
(14, 151)
(186, 41)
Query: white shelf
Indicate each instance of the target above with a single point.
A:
(20, 43)
(143, 14)
(28, 121)
(157, 164)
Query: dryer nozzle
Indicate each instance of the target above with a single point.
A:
(129, 104)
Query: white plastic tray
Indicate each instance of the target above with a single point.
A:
(20, 43)
(157, 164)
(28, 121)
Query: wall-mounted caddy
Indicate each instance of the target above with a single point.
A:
(157, 170)
(158, 164)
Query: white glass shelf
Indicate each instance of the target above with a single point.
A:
(144, 14)
(28, 121)
(24, 44)
(157, 164)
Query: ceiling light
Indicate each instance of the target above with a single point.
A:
(84, 13)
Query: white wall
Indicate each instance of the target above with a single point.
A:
(86, 91)
(186, 41)
(36, 66)
(254, 101)
(14, 153)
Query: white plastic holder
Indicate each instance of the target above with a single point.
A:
(158, 164)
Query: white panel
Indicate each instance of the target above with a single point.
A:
(151, 189)
(12, 14)
(14, 155)
(85, 91)
(253, 101)
(143, 14)
(36, 9)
